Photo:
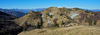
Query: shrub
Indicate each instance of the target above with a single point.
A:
(50, 16)
(77, 9)
(92, 12)
(69, 18)
(69, 9)
(87, 11)
(54, 20)
(25, 26)
(3, 31)
(61, 14)
(62, 23)
(95, 14)
(47, 13)
(95, 22)
(90, 22)
(41, 22)
(68, 22)
(38, 26)
(56, 25)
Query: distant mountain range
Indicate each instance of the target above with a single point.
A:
(27, 10)
(94, 10)
(22, 12)
(11, 12)
(19, 12)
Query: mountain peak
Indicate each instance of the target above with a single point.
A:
(30, 12)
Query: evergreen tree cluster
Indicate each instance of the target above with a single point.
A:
(90, 22)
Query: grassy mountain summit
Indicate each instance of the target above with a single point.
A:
(30, 12)
(53, 17)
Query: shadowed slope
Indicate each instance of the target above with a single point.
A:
(8, 27)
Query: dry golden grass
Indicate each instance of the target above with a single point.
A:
(76, 30)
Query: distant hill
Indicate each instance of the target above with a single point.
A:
(11, 12)
(4, 16)
(94, 10)
(19, 12)
(8, 27)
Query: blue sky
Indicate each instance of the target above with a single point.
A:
(32, 4)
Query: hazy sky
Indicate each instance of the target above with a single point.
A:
(32, 4)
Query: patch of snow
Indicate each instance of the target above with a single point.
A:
(69, 7)
(42, 15)
(42, 19)
(48, 21)
(59, 7)
(53, 17)
(73, 14)
(50, 13)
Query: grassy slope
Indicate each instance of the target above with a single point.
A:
(76, 30)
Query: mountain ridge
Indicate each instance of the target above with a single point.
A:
(11, 12)
(7, 25)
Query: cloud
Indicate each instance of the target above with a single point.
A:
(59, 7)
(69, 7)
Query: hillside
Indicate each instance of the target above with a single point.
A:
(76, 30)
(7, 26)
(58, 17)
(4, 16)
(31, 20)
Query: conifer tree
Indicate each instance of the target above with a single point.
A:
(95, 22)
(90, 22)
